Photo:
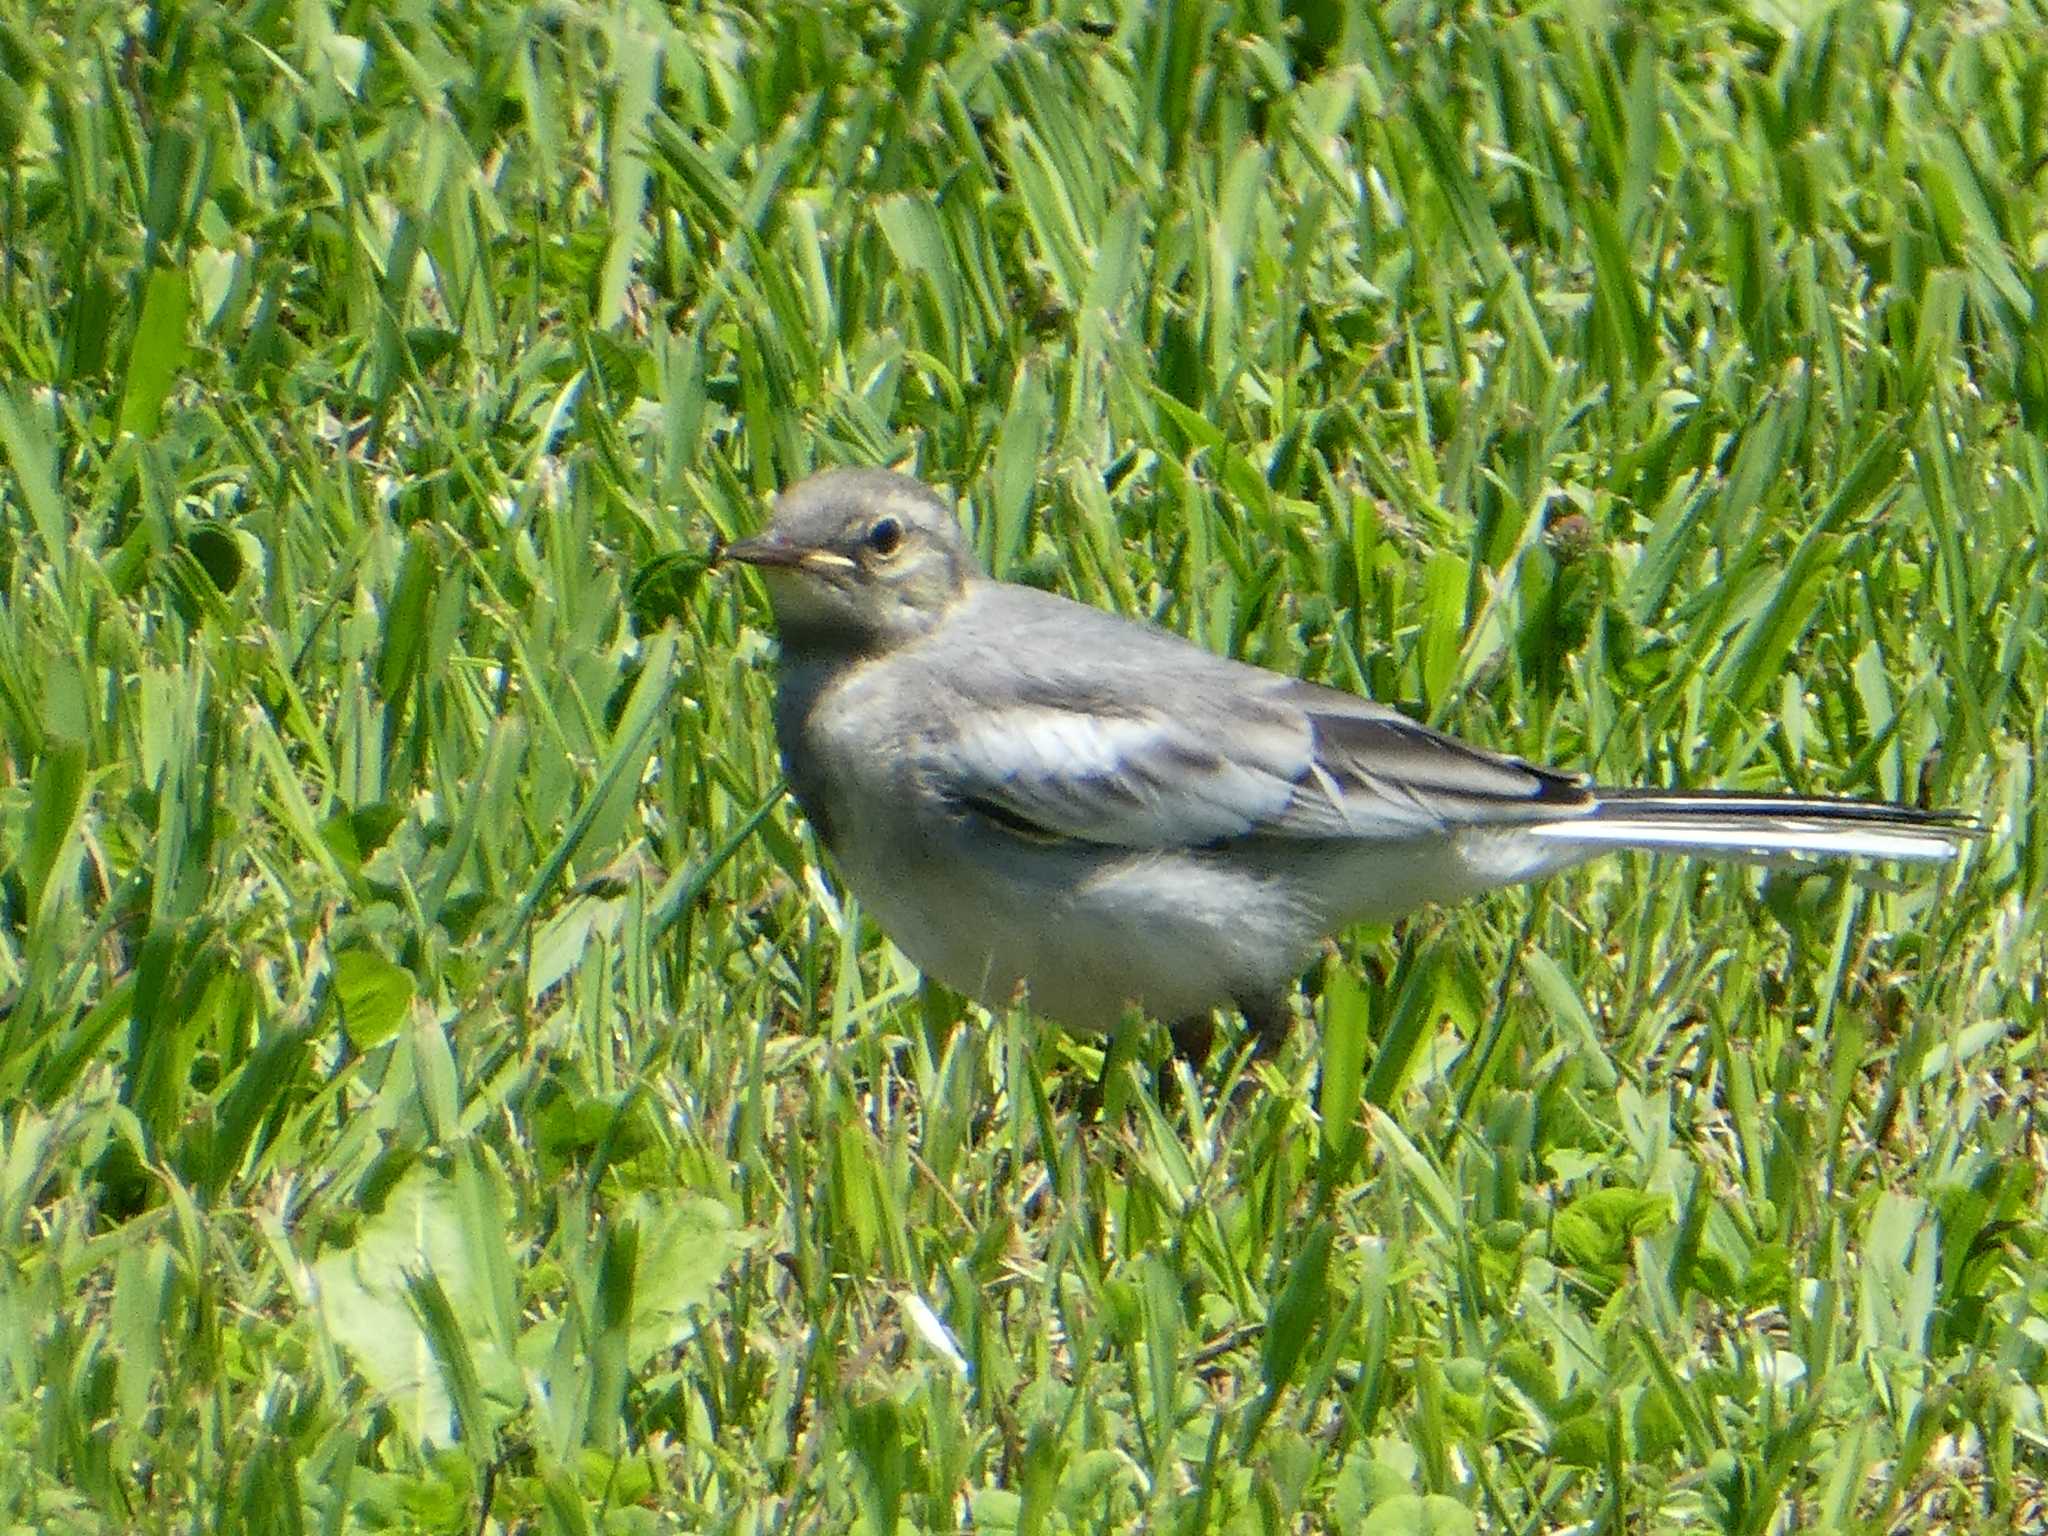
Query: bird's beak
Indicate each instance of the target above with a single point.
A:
(767, 550)
(759, 551)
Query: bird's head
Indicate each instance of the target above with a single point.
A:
(859, 560)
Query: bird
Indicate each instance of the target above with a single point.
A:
(1044, 803)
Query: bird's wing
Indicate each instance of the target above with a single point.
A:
(1212, 754)
(1372, 765)
(1126, 773)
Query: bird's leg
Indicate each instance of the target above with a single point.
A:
(1117, 1048)
(1270, 1020)
(1193, 1038)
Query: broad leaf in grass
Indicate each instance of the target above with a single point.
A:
(1418, 1514)
(686, 1246)
(672, 1253)
(369, 1301)
(1596, 1229)
(374, 994)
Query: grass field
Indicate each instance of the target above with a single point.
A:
(439, 1090)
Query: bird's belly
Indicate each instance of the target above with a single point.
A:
(1081, 933)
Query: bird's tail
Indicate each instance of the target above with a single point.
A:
(1762, 826)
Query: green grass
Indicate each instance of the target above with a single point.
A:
(438, 1091)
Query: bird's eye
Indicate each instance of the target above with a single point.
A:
(884, 536)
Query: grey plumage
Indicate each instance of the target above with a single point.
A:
(1036, 798)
